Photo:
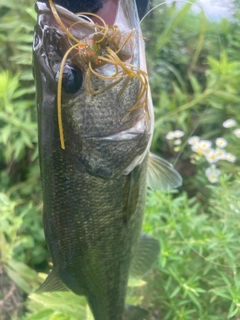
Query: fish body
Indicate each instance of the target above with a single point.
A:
(93, 190)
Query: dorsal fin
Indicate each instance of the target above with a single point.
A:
(131, 192)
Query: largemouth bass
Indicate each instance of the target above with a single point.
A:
(95, 124)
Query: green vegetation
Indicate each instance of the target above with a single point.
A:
(194, 74)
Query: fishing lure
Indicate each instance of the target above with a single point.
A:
(106, 45)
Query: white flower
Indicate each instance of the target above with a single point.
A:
(221, 154)
(212, 178)
(204, 144)
(208, 151)
(170, 135)
(221, 142)
(193, 140)
(177, 142)
(175, 134)
(232, 207)
(197, 149)
(212, 156)
(237, 133)
(212, 174)
(178, 134)
(229, 123)
(230, 157)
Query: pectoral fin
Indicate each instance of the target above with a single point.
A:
(52, 283)
(145, 255)
(135, 313)
(161, 174)
(131, 193)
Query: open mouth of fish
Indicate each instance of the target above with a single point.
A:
(106, 9)
(109, 11)
(113, 12)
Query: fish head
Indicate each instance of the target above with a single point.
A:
(105, 112)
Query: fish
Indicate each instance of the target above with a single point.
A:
(95, 127)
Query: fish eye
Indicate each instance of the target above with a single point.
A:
(72, 79)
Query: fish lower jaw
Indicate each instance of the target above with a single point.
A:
(141, 127)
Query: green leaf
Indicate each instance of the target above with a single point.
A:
(89, 315)
(6, 132)
(25, 277)
(132, 282)
(227, 96)
(60, 316)
(32, 13)
(172, 23)
(233, 313)
(40, 315)
(63, 302)
(175, 292)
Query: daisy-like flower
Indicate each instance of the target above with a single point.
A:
(237, 133)
(197, 149)
(212, 157)
(208, 151)
(230, 157)
(170, 135)
(193, 140)
(178, 134)
(221, 154)
(204, 144)
(232, 207)
(229, 123)
(177, 142)
(213, 178)
(212, 174)
(221, 142)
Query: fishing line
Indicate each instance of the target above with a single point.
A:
(157, 6)
(196, 125)
(219, 40)
(80, 15)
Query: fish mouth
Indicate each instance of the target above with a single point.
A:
(114, 12)
(108, 12)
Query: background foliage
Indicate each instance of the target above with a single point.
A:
(194, 74)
